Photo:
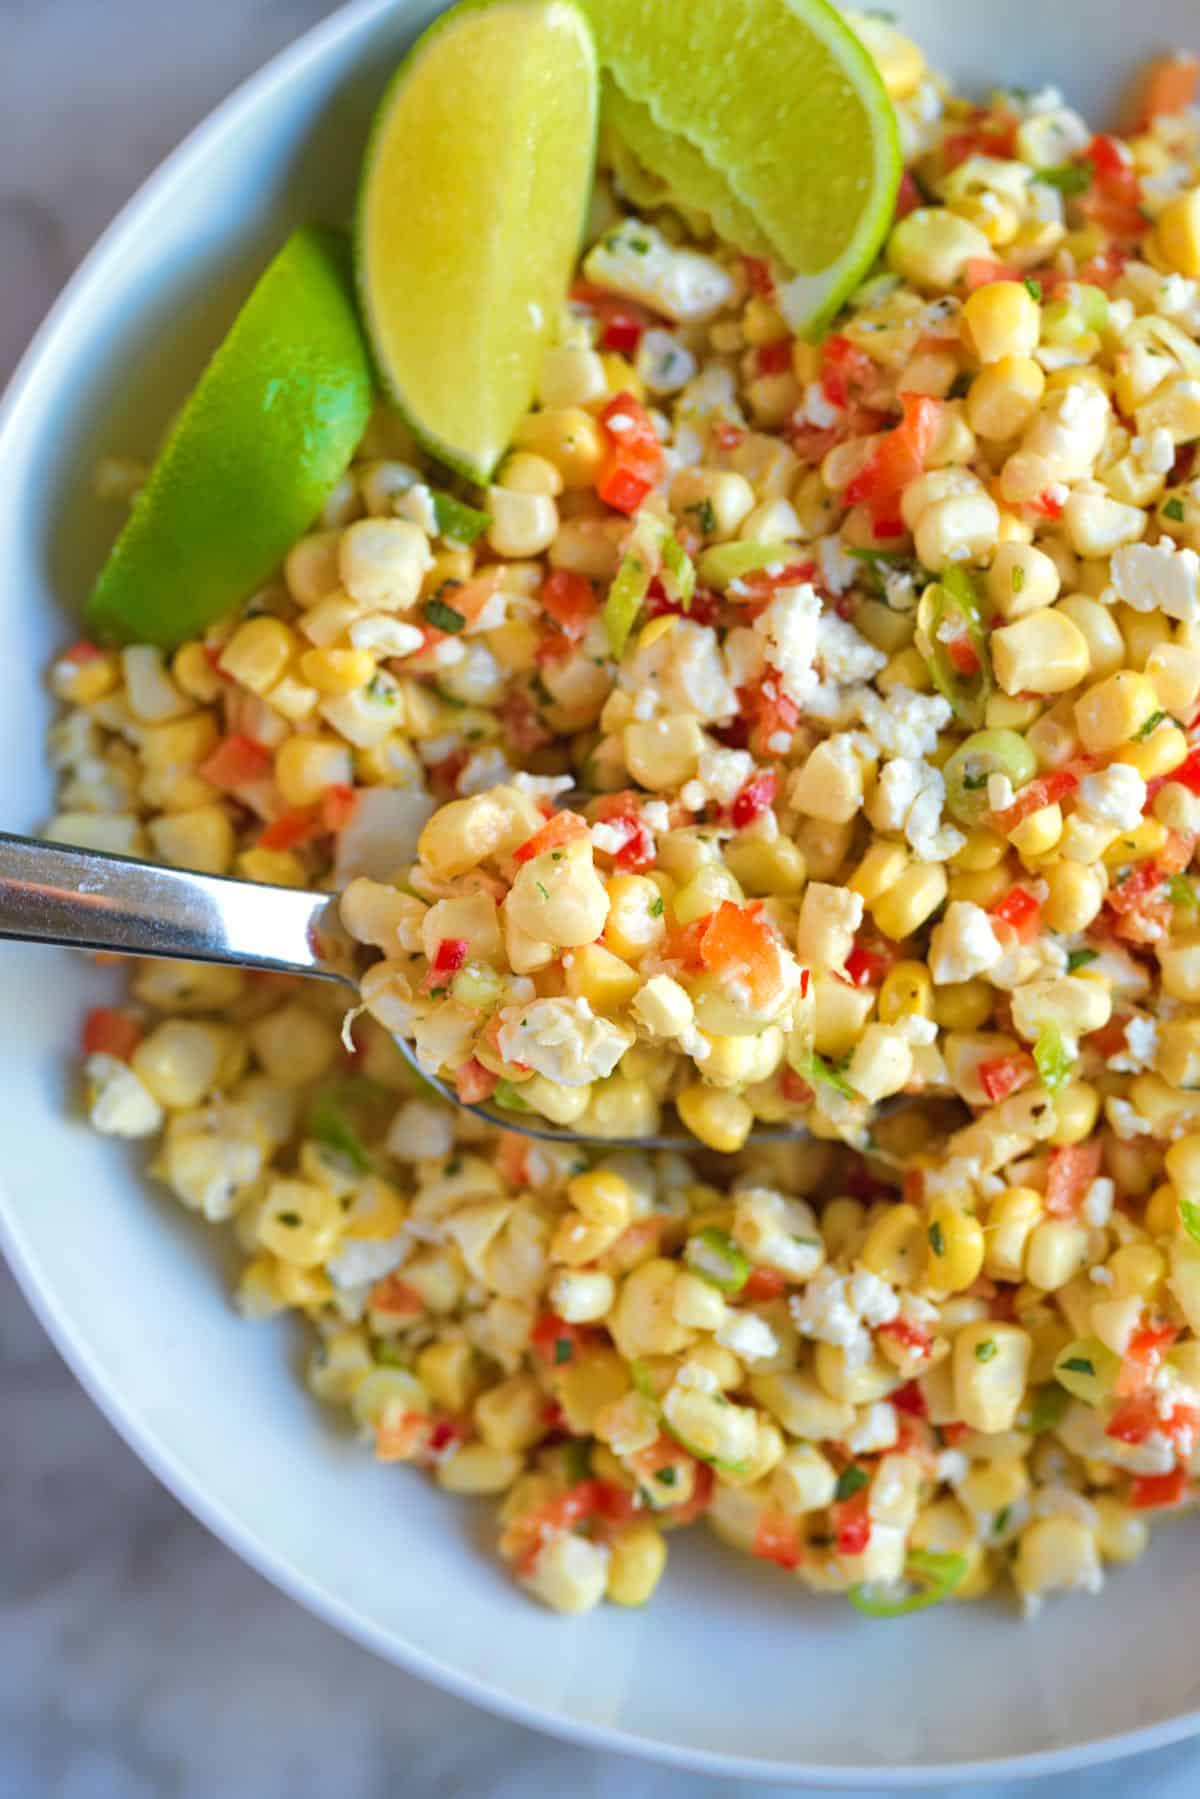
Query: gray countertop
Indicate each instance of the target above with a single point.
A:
(138, 1658)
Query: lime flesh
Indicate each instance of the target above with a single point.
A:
(471, 210)
(780, 98)
(260, 444)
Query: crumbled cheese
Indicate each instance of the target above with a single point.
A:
(839, 570)
(928, 836)
(684, 669)
(366, 1260)
(1098, 1202)
(693, 796)
(904, 723)
(1000, 794)
(749, 1337)
(1158, 577)
(118, 1104)
(1141, 1046)
(562, 1039)
(610, 839)
(875, 1302)
(636, 260)
(951, 1466)
(1155, 453)
(845, 653)
(420, 1131)
(698, 1377)
(817, 408)
(1116, 794)
(656, 815)
(483, 770)
(1126, 1121)
(963, 944)
(385, 635)
(789, 628)
(664, 364)
(823, 1311)
(876, 1427)
(723, 773)
(892, 799)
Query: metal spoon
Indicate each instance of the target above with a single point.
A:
(83, 899)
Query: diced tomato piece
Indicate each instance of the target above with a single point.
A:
(852, 1523)
(773, 359)
(704, 607)
(1021, 910)
(908, 196)
(763, 1284)
(570, 600)
(1108, 156)
(846, 370)
(634, 460)
(867, 964)
(474, 1083)
(963, 655)
(291, 829)
(772, 717)
(910, 1399)
(1002, 1075)
(622, 332)
(794, 1088)
(107, 1031)
(449, 956)
(396, 1297)
(1170, 86)
(898, 458)
(1043, 791)
(777, 1540)
(1153, 1492)
(338, 807)
(622, 487)
(739, 940)
(1070, 1171)
(1144, 1357)
(758, 276)
(1188, 771)
(638, 850)
(912, 1337)
(981, 271)
(556, 1342)
(512, 1158)
(755, 798)
(1047, 504)
(989, 135)
(565, 827)
(236, 761)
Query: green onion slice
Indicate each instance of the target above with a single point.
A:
(933, 1576)
(950, 625)
(969, 769)
(456, 520)
(716, 1258)
(1053, 1056)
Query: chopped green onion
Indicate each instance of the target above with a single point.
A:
(1034, 288)
(443, 617)
(984, 754)
(728, 562)
(1152, 723)
(1079, 1365)
(1049, 1404)
(1079, 958)
(508, 1096)
(1189, 1217)
(820, 1070)
(678, 572)
(1088, 1369)
(937, 1240)
(953, 603)
(1173, 510)
(934, 1576)
(457, 520)
(656, 908)
(851, 1480)
(716, 1258)
(328, 1124)
(1053, 1057)
(986, 1350)
(624, 602)
(1180, 892)
(1070, 178)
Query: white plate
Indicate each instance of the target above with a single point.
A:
(732, 1669)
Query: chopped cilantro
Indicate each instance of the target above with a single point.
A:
(1070, 178)
(1033, 287)
(1049, 1404)
(1079, 958)
(543, 889)
(668, 1476)
(563, 1350)
(986, 1351)
(851, 1480)
(656, 908)
(1000, 1522)
(706, 518)
(443, 617)
(937, 1241)
(1079, 1364)
(291, 1219)
(1152, 723)
(1174, 510)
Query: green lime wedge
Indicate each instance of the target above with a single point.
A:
(682, 170)
(264, 437)
(782, 99)
(470, 214)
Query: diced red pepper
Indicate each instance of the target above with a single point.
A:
(1070, 1171)
(852, 1523)
(962, 655)
(982, 271)
(1169, 87)
(107, 1031)
(556, 1342)
(898, 458)
(1002, 1075)
(1143, 1357)
(291, 829)
(758, 276)
(1153, 1492)
(1021, 910)
(449, 956)
(338, 806)
(777, 1540)
(912, 1337)
(728, 437)
(793, 1087)
(910, 1399)
(236, 761)
(621, 332)
(623, 488)
(770, 717)
(755, 798)
(704, 607)
(396, 1297)
(908, 196)
(739, 941)
(1047, 504)
(867, 964)
(474, 1083)
(570, 600)
(763, 1284)
(565, 827)
(988, 135)
(634, 459)
(773, 359)
(1044, 791)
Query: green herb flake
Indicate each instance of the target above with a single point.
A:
(1070, 178)
(1174, 510)
(1151, 725)
(705, 516)
(987, 1350)
(937, 1241)
(543, 889)
(829, 1076)
(1079, 958)
(932, 1577)
(1000, 1522)
(328, 1124)
(1078, 1364)
(1016, 579)
(851, 1480)
(1049, 1404)
(443, 617)
(1189, 1217)
(1053, 1057)
(667, 1477)
(456, 520)
(656, 908)
(1181, 892)
(564, 1349)
(509, 1097)
(291, 1219)
(1033, 288)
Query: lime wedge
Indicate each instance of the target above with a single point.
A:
(256, 451)
(783, 100)
(471, 210)
(682, 170)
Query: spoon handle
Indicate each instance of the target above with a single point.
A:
(86, 900)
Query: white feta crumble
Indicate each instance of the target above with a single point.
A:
(1158, 577)
(963, 945)
(664, 364)
(876, 1427)
(951, 1466)
(420, 1131)
(365, 1261)
(656, 815)
(118, 1104)
(789, 628)
(483, 770)
(1141, 1046)
(928, 836)
(845, 653)
(610, 839)
(692, 796)
(684, 671)
(563, 1040)
(1103, 1277)
(1156, 452)
(1116, 794)
(823, 1311)
(872, 1298)
(904, 723)
(839, 570)
(749, 1337)
(817, 408)
(723, 773)
(1126, 1121)
(699, 1378)
(1098, 1202)
(636, 260)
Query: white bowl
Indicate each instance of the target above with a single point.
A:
(732, 1669)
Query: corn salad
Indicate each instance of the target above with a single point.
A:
(790, 726)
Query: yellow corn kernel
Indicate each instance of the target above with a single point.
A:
(524, 472)
(271, 868)
(337, 671)
(963, 1005)
(1004, 396)
(450, 1374)
(637, 1558)
(762, 868)
(1106, 646)
(1112, 712)
(1147, 838)
(1056, 1554)
(981, 850)
(1037, 834)
(1058, 1249)
(306, 766)
(955, 1246)
(1121, 1534)
(636, 919)
(879, 870)
(907, 668)
(595, 974)
(932, 247)
(1138, 1271)
(602, 1197)
(622, 377)
(294, 1044)
(300, 1222)
(1177, 233)
(568, 437)
(522, 524)
(478, 1468)
(194, 674)
(895, 1245)
(1162, 1211)
(840, 1013)
(257, 653)
(571, 376)
(1076, 1110)
(201, 838)
(719, 1118)
(512, 1414)
(1156, 755)
(83, 679)
(897, 58)
(1044, 652)
(907, 992)
(981, 887)
(1001, 319)
(989, 1362)
(911, 900)
(1012, 1217)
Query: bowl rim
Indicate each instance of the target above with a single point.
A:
(345, 23)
